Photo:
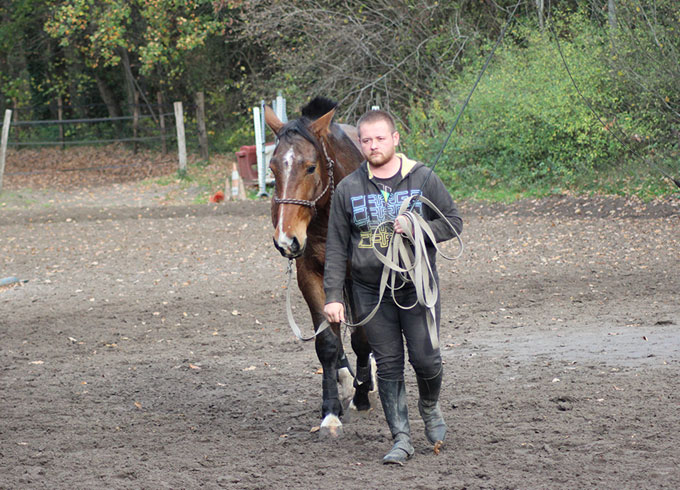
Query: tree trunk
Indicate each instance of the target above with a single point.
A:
(107, 96)
(161, 117)
(200, 121)
(129, 81)
(135, 122)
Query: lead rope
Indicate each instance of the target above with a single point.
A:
(405, 260)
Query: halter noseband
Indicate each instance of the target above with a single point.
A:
(330, 185)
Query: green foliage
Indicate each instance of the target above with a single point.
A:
(526, 131)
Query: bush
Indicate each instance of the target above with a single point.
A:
(526, 131)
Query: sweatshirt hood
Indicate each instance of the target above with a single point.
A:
(407, 165)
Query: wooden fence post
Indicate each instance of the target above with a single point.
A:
(60, 116)
(161, 116)
(3, 143)
(200, 121)
(17, 129)
(181, 141)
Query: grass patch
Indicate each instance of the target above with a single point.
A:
(200, 181)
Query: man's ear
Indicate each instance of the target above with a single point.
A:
(395, 137)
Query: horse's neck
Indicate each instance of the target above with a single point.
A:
(347, 153)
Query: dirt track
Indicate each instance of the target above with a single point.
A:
(149, 349)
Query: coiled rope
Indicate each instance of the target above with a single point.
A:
(405, 261)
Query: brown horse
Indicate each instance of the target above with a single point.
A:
(312, 155)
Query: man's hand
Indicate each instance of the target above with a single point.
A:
(335, 312)
(402, 224)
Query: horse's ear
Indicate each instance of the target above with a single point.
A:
(272, 120)
(321, 126)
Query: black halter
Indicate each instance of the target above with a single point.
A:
(330, 185)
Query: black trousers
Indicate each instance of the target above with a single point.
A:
(389, 327)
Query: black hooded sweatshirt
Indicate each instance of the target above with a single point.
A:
(359, 206)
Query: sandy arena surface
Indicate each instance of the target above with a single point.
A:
(149, 349)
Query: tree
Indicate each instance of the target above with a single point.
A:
(25, 51)
(156, 39)
(384, 52)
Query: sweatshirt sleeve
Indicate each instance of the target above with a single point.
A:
(440, 197)
(337, 246)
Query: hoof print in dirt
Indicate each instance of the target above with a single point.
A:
(564, 403)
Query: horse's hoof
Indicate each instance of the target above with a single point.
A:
(354, 413)
(331, 427)
(362, 405)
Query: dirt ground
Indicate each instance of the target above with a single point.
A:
(149, 349)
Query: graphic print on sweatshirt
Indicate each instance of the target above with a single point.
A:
(368, 211)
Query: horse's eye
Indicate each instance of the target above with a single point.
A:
(311, 170)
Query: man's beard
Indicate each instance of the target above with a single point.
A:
(379, 159)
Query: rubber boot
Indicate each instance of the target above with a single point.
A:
(428, 406)
(393, 399)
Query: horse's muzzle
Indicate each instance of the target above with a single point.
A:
(291, 250)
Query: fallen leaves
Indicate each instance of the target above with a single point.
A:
(53, 167)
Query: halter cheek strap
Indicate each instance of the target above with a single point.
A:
(330, 185)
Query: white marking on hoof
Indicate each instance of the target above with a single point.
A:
(374, 374)
(345, 385)
(330, 426)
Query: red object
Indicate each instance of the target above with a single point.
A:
(246, 159)
(217, 197)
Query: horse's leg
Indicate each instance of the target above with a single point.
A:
(331, 409)
(345, 377)
(363, 382)
(328, 349)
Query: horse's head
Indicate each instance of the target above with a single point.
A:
(301, 172)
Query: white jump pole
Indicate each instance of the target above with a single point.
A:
(258, 120)
(280, 108)
(3, 143)
(181, 139)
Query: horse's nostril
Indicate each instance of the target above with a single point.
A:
(295, 246)
(279, 248)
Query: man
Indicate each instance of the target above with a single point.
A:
(366, 198)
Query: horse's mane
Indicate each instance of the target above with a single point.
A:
(317, 107)
(313, 110)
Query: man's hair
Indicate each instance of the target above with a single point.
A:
(375, 116)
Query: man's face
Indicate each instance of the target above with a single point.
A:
(378, 143)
